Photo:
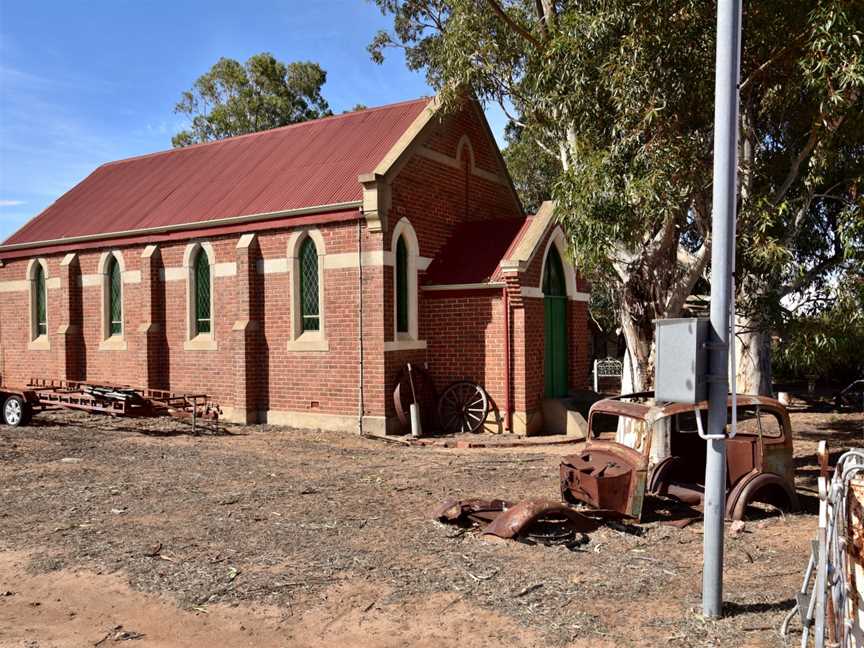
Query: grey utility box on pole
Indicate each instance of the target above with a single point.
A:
(682, 360)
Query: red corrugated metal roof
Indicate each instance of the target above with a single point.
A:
(472, 253)
(498, 275)
(302, 165)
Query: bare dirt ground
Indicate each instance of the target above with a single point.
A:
(116, 530)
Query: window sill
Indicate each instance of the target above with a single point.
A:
(113, 343)
(201, 343)
(404, 344)
(41, 343)
(307, 342)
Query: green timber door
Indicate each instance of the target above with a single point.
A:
(555, 326)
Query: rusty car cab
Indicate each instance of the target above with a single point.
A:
(657, 450)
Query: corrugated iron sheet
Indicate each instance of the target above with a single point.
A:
(303, 165)
(472, 253)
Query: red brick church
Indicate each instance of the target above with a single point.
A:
(273, 270)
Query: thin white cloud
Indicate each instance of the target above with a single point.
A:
(11, 203)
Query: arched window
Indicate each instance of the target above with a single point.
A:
(309, 294)
(201, 298)
(554, 283)
(403, 257)
(307, 254)
(401, 286)
(199, 263)
(115, 298)
(40, 303)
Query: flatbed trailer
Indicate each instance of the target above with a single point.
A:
(20, 404)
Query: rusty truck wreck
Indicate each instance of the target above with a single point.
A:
(658, 451)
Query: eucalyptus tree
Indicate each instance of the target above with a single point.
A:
(620, 93)
(234, 98)
(825, 339)
(534, 173)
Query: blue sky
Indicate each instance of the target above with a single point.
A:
(82, 83)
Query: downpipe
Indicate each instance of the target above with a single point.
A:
(508, 403)
(360, 367)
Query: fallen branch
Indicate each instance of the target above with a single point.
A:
(529, 589)
(483, 578)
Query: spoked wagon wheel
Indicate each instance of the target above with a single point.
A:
(463, 407)
(15, 411)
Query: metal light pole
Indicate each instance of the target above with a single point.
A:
(722, 255)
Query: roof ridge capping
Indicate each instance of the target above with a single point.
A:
(297, 125)
(376, 199)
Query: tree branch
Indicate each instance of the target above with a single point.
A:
(812, 273)
(681, 289)
(547, 15)
(662, 239)
(773, 59)
(544, 26)
(516, 27)
(812, 141)
(805, 208)
(799, 219)
(546, 149)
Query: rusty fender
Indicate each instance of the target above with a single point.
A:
(516, 521)
(482, 511)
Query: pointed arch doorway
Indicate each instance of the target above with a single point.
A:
(556, 353)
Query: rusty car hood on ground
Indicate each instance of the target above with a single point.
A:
(607, 476)
(533, 521)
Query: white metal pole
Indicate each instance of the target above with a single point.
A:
(819, 589)
(723, 242)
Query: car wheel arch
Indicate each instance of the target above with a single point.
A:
(748, 490)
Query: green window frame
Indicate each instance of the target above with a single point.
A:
(556, 349)
(40, 297)
(310, 307)
(401, 286)
(115, 298)
(201, 298)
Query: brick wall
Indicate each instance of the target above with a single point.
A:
(279, 379)
(449, 132)
(464, 331)
(433, 195)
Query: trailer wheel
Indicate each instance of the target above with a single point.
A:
(16, 412)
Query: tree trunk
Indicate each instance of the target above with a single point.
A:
(752, 358)
(637, 378)
(638, 359)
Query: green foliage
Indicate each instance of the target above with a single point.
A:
(604, 308)
(625, 91)
(825, 341)
(534, 170)
(235, 99)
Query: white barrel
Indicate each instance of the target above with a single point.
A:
(416, 429)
